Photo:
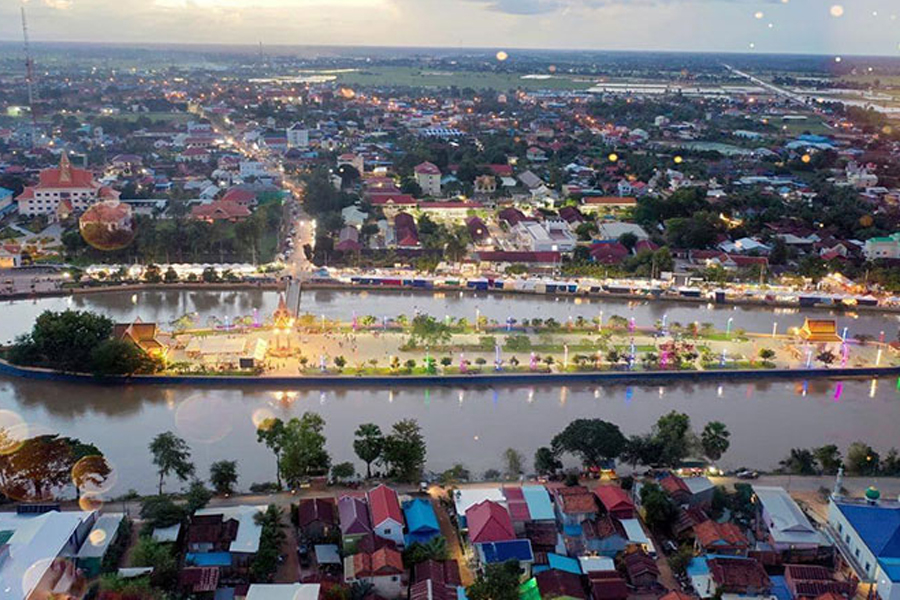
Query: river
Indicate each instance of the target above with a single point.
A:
(471, 425)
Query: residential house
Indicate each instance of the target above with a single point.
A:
(317, 517)
(640, 570)
(738, 575)
(385, 514)
(421, 521)
(435, 580)
(560, 585)
(615, 501)
(690, 491)
(713, 537)
(103, 534)
(354, 520)
(283, 591)
(224, 537)
(500, 552)
(489, 522)
(607, 585)
(220, 210)
(574, 505)
(546, 236)
(808, 582)
(382, 568)
(604, 536)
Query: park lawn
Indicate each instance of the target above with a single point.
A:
(169, 117)
(418, 77)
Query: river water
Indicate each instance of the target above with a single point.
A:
(471, 425)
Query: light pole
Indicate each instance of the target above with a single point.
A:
(728, 327)
(774, 328)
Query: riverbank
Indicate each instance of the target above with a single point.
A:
(475, 379)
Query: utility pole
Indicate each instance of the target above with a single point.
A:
(29, 74)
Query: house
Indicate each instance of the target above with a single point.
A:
(485, 184)
(297, 136)
(220, 210)
(348, 240)
(560, 585)
(689, 491)
(574, 505)
(103, 534)
(421, 521)
(614, 230)
(466, 498)
(787, 528)
(352, 160)
(283, 591)
(354, 519)
(546, 236)
(500, 552)
(428, 176)
(316, 517)
(738, 575)
(6, 202)
(597, 203)
(489, 522)
(640, 570)
(435, 580)
(808, 582)
(197, 580)
(604, 536)
(608, 253)
(353, 216)
(867, 535)
(882, 247)
(224, 537)
(713, 537)
(383, 568)
(636, 536)
(615, 501)
(607, 585)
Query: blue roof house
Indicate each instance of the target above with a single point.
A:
(867, 534)
(421, 522)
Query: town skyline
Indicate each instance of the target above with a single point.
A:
(868, 27)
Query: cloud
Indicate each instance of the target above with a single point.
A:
(537, 7)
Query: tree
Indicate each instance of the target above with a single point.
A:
(197, 496)
(594, 441)
(223, 476)
(426, 330)
(498, 581)
(862, 459)
(271, 538)
(513, 460)
(36, 469)
(545, 462)
(829, 458)
(659, 510)
(368, 445)
(671, 433)
(161, 511)
(120, 357)
(433, 549)
(826, 357)
(340, 362)
(799, 462)
(641, 449)
(714, 440)
(271, 433)
(405, 450)
(148, 553)
(303, 451)
(62, 340)
(171, 455)
(343, 471)
(766, 354)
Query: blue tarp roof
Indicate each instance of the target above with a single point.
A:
(538, 501)
(209, 559)
(572, 530)
(564, 563)
(697, 567)
(420, 517)
(891, 568)
(879, 527)
(497, 552)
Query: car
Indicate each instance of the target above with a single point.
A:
(670, 546)
(746, 474)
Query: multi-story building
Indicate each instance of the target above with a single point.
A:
(428, 176)
(65, 185)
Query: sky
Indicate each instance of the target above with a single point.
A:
(796, 26)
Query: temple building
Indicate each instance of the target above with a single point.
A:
(819, 331)
(63, 190)
(143, 335)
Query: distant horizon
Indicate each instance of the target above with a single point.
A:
(252, 48)
(795, 27)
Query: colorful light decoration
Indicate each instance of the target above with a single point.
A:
(809, 358)
(600, 322)
(565, 356)
(533, 363)
(509, 323)
(724, 357)
(631, 325)
(728, 327)
(498, 360)
(322, 365)
(463, 365)
(631, 355)
(355, 322)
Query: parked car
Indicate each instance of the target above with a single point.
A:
(746, 474)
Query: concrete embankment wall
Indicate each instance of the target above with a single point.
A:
(488, 379)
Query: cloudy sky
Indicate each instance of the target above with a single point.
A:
(801, 26)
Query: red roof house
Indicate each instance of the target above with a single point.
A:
(489, 522)
(616, 501)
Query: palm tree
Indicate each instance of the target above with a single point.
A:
(714, 440)
(360, 590)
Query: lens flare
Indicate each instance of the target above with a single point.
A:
(501, 56)
(94, 474)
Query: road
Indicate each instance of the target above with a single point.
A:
(765, 84)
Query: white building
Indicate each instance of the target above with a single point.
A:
(548, 236)
(283, 591)
(867, 535)
(883, 247)
(428, 176)
(788, 527)
(297, 136)
(75, 188)
(252, 168)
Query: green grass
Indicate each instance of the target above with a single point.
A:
(417, 77)
(153, 116)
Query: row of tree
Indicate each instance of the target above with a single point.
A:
(861, 459)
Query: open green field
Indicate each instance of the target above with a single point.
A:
(153, 116)
(418, 77)
(813, 125)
